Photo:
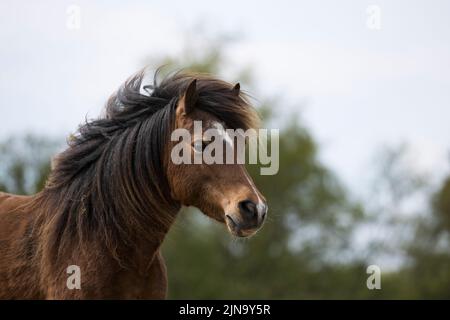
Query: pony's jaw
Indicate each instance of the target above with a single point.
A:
(236, 231)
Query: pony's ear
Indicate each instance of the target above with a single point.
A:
(189, 98)
(236, 89)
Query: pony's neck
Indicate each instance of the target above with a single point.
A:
(131, 234)
(142, 252)
(111, 193)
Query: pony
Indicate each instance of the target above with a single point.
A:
(114, 192)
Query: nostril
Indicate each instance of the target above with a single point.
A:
(248, 208)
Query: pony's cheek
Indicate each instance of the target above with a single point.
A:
(220, 218)
(186, 194)
(215, 213)
(174, 196)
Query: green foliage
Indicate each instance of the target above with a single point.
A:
(25, 163)
(279, 262)
(303, 250)
(442, 206)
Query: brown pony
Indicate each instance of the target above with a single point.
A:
(114, 192)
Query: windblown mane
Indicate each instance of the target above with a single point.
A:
(109, 187)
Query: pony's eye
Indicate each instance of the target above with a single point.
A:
(199, 145)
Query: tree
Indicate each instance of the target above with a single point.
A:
(308, 229)
(25, 163)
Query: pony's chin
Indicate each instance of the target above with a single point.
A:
(239, 232)
(243, 233)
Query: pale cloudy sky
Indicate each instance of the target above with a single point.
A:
(361, 88)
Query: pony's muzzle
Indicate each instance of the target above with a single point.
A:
(250, 218)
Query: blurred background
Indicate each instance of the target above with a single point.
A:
(359, 91)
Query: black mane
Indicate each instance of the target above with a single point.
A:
(110, 183)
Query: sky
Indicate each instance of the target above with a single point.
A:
(360, 79)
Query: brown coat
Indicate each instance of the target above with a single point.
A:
(23, 277)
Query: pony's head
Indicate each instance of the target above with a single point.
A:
(117, 180)
(223, 191)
